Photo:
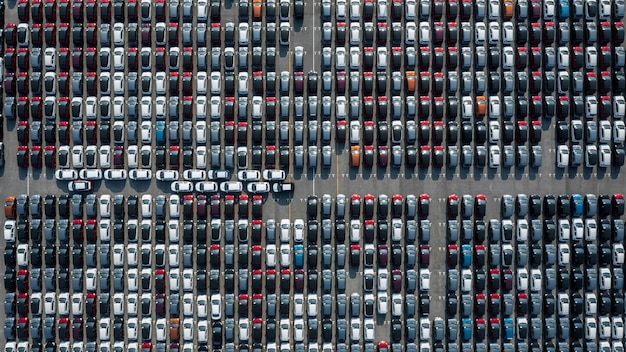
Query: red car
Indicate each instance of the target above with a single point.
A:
(383, 255)
(201, 205)
(453, 255)
(298, 78)
(424, 255)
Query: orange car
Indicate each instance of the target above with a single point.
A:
(481, 105)
(10, 210)
(507, 9)
(355, 156)
(174, 329)
(257, 6)
(410, 81)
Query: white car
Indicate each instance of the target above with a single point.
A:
(104, 329)
(132, 328)
(495, 108)
(424, 33)
(244, 329)
(467, 108)
(181, 187)
(285, 226)
(285, 328)
(563, 304)
(562, 157)
(146, 206)
(604, 279)
(507, 33)
(340, 59)
(382, 304)
(207, 187)
(202, 305)
(249, 175)
(270, 255)
(131, 253)
(298, 330)
(312, 306)
(194, 175)
(355, 329)
(243, 34)
(132, 156)
(105, 156)
(381, 58)
(285, 256)
(9, 230)
(563, 254)
(618, 254)
(424, 329)
(355, 58)
(591, 58)
(591, 328)
(258, 187)
(274, 175)
(66, 175)
(298, 230)
(167, 175)
(140, 174)
(298, 304)
(522, 279)
(466, 280)
(231, 186)
(216, 307)
(619, 131)
(161, 330)
(604, 326)
(591, 304)
(132, 303)
(396, 304)
(604, 156)
(77, 157)
(562, 58)
(494, 132)
(494, 156)
(201, 83)
(355, 33)
(619, 107)
(80, 186)
(216, 83)
(63, 305)
(535, 280)
(368, 329)
(188, 328)
(188, 280)
(355, 231)
(480, 33)
(424, 280)
(617, 331)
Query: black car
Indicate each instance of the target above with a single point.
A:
(312, 205)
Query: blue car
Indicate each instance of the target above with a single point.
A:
(563, 9)
(466, 255)
(298, 256)
(160, 132)
(466, 333)
(577, 205)
(508, 328)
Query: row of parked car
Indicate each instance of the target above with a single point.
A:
(185, 11)
(355, 10)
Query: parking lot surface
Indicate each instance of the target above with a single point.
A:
(323, 175)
